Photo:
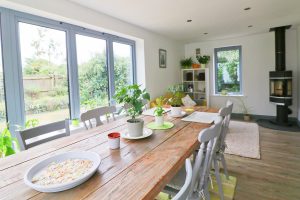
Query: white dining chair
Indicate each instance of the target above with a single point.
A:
(202, 167)
(202, 163)
(95, 114)
(225, 113)
(183, 192)
(38, 132)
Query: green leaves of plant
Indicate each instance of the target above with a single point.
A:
(134, 96)
(158, 111)
(6, 143)
(203, 59)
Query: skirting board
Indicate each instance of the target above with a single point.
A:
(255, 117)
(265, 121)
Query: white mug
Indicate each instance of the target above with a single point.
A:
(114, 140)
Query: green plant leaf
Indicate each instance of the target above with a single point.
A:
(146, 96)
(9, 151)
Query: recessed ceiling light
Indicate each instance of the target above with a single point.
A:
(247, 8)
(250, 26)
(189, 20)
(205, 33)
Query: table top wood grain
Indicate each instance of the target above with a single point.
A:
(138, 170)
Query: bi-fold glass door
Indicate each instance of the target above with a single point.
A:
(44, 72)
(92, 72)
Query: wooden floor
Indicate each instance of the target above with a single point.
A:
(276, 176)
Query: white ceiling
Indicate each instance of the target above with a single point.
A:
(219, 18)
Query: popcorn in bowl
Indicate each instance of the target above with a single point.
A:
(62, 172)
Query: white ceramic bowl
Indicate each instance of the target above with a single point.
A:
(94, 157)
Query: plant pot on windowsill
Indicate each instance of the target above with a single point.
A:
(247, 117)
(135, 127)
(75, 122)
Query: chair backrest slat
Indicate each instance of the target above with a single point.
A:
(27, 134)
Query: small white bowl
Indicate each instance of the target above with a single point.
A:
(94, 157)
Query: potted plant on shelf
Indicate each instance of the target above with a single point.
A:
(133, 96)
(203, 60)
(175, 101)
(186, 63)
(158, 112)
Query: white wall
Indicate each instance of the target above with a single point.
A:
(298, 33)
(148, 43)
(258, 58)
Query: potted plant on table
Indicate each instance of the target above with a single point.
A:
(186, 63)
(203, 60)
(175, 101)
(158, 112)
(133, 96)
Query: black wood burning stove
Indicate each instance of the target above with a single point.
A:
(280, 87)
(281, 80)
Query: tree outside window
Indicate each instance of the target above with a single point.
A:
(228, 70)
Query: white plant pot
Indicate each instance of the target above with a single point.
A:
(159, 120)
(176, 111)
(135, 127)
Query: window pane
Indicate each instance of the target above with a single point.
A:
(2, 94)
(122, 65)
(92, 72)
(228, 70)
(44, 66)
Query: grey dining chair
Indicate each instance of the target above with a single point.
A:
(95, 114)
(184, 191)
(181, 191)
(29, 134)
(225, 113)
(202, 166)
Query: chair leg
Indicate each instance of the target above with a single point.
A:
(218, 178)
(224, 166)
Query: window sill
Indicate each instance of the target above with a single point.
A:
(228, 95)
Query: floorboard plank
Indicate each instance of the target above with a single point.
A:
(276, 176)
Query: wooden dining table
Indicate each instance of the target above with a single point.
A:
(138, 170)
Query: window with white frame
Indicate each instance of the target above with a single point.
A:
(228, 70)
(55, 70)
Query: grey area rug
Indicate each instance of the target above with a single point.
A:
(243, 139)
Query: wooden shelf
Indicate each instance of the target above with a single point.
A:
(198, 85)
